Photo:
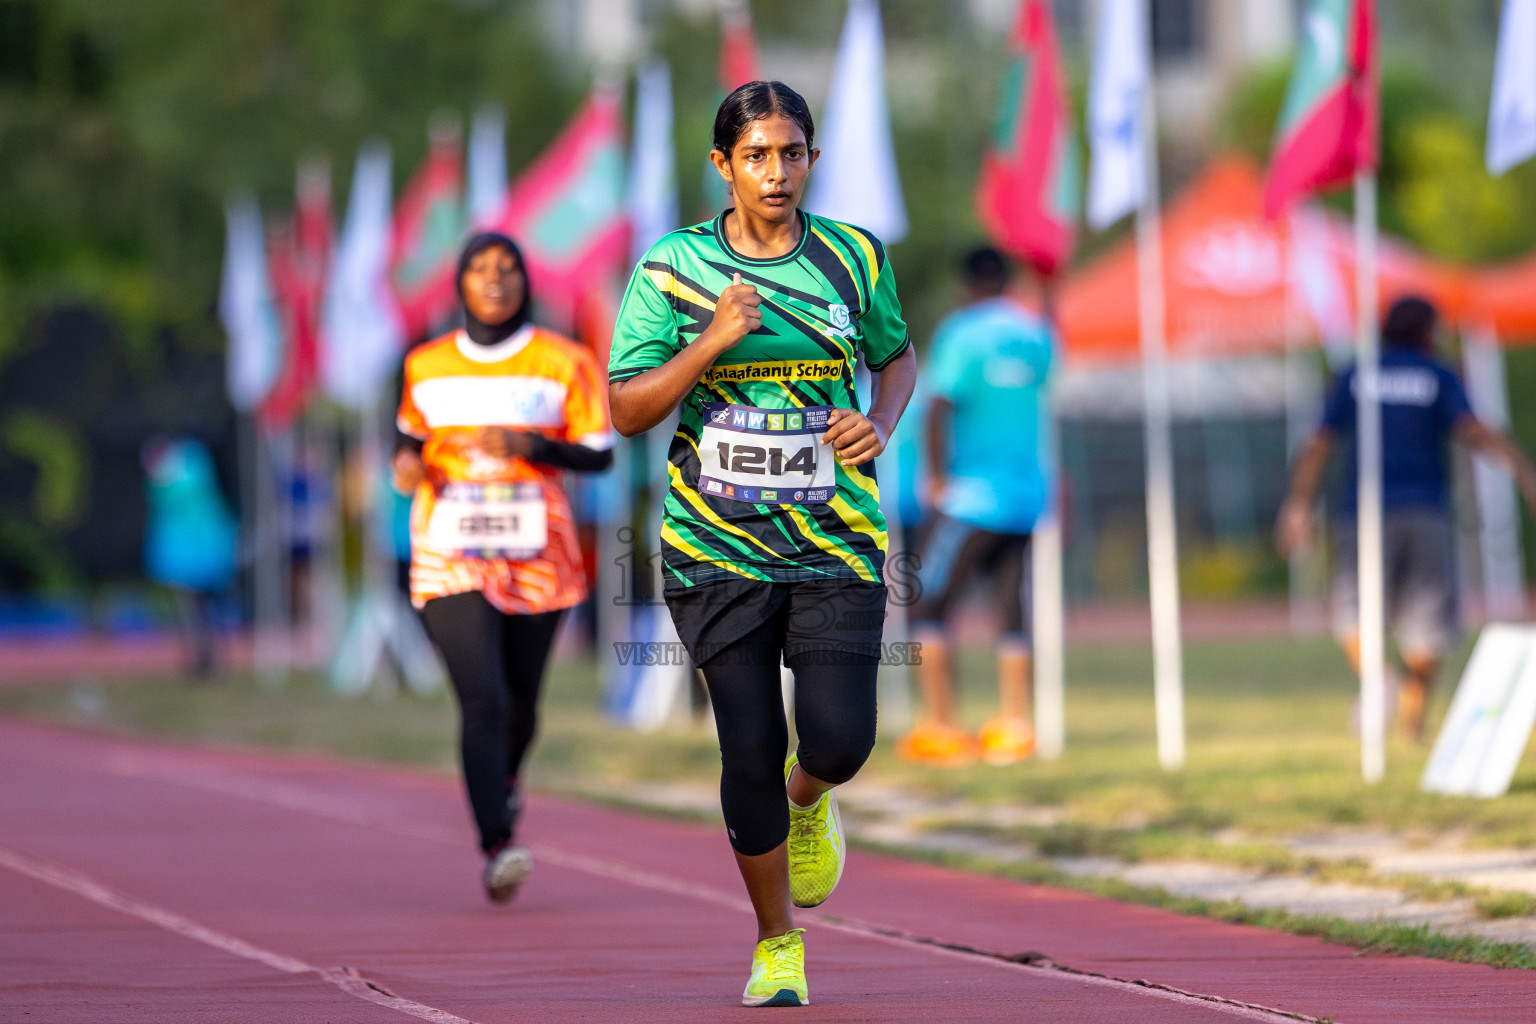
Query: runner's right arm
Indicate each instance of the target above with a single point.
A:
(643, 401)
(410, 437)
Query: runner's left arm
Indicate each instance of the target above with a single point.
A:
(525, 444)
(887, 349)
(1476, 434)
(588, 443)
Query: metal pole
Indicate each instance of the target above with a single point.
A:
(1299, 416)
(1162, 545)
(327, 562)
(270, 654)
(1373, 654)
(248, 442)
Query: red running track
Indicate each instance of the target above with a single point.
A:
(141, 882)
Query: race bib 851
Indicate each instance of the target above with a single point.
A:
(490, 520)
(768, 456)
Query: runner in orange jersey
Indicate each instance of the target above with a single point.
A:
(490, 416)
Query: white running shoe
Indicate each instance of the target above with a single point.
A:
(506, 871)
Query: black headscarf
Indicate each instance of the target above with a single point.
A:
(479, 332)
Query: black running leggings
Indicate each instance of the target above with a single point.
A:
(834, 716)
(496, 663)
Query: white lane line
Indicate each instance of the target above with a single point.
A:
(344, 978)
(300, 798)
(905, 940)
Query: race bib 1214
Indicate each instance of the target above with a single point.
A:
(766, 456)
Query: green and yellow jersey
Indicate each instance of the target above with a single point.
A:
(751, 495)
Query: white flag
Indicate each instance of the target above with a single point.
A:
(1117, 174)
(361, 335)
(247, 308)
(855, 181)
(1512, 114)
(652, 163)
(486, 189)
(1316, 280)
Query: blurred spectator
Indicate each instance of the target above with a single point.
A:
(191, 540)
(1423, 405)
(986, 375)
(393, 530)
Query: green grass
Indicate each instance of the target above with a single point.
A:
(1269, 757)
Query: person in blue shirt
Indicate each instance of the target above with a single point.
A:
(989, 480)
(1423, 407)
(191, 540)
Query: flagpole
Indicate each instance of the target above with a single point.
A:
(1162, 545)
(1047, 593)
(1373, 662)
(270, 641)
(1299, 413)
(1049, 627)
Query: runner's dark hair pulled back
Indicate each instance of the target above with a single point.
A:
(755, 101)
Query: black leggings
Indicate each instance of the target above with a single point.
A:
(496, 662)
(834, 715)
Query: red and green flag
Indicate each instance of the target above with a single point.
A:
(429, 228)
(299, 254)
(738, 49)
(1328, 123)
(737, 65)
(567, 209)
(1029, 192)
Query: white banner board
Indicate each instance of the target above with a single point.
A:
(1491, 717)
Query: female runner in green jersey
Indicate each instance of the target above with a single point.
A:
(772, 537)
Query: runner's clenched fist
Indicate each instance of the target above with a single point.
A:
(737, 313)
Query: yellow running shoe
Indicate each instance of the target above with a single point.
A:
(940, 745)
(816, 849)
(778, 972)
(1006, 741)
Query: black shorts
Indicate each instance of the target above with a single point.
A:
(955, 552)
(831, 615)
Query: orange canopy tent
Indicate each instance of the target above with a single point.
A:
(1504, 299)
(1228, 277)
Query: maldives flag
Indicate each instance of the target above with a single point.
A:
(300, 255)
(429, 227)
(738, 49)
(1028, 195)
(567, 210)
(737, 65)
(1328, 124)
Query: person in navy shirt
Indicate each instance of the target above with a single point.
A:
(989, 478)
(1423, 407)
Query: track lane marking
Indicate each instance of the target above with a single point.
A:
(1037, 964)
(302, 798)
(344, 978)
